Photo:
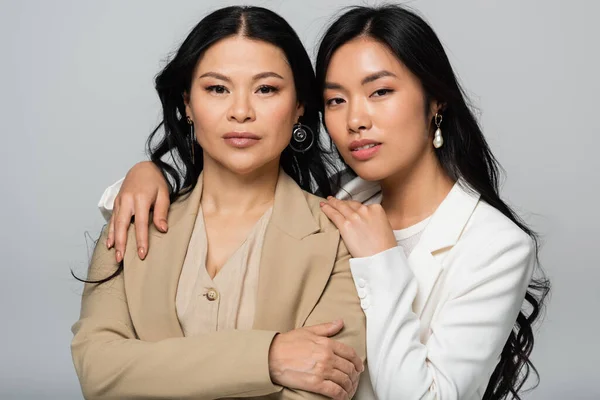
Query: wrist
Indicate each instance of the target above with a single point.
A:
(274, 371)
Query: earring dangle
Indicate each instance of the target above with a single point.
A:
(302, 138)
(438, 140)
(192, 138)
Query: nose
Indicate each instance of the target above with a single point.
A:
(358, 117)
(241, 109)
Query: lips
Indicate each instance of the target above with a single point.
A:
(241, 140)
(363, 144)
(364, 149)
(241, 135)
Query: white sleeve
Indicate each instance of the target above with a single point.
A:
(108, 199)
(467, 334)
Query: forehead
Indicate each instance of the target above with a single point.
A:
(239, 54)
(360, 57)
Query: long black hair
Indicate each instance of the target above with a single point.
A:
(465, 153)
(170, 148)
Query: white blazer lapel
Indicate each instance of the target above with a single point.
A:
(441, 234)
(442, 231)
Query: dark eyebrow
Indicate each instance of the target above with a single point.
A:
(263, 75)
(367, 79)
(256, 77)
(216, 76)
(377, 75)
(333, 86)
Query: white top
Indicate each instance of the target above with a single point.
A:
(408, 238)
(438, 319)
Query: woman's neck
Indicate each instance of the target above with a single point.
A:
(410, 196)
(228, 193)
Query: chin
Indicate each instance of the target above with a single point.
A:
(246, 165)
(370, 171)
(371, 176)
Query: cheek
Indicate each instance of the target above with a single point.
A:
(405, 116)
(205, 125)
(278, 118)
(336, 126)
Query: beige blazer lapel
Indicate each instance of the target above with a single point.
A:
(151, 285)
(296, 261)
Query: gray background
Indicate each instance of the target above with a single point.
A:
(77, 102)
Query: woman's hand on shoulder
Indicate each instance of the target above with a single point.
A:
(365, 229)
(143, 189)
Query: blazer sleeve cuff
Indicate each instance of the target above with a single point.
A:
(255, 364)
(378, 276)
(108, 199)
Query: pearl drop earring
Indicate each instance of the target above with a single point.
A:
(438, 140)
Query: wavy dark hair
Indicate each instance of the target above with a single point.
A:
(465, 153)
(169, 145)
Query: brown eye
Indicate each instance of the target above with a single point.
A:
(217, 89)
(266, 89)
(335, 101)
(381, 92)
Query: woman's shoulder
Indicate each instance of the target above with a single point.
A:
(488, 228)
(314, 204)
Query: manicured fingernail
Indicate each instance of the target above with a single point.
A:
(119, 257)
(163, 226)
(142, 252)
(321, 204)
(108, 244)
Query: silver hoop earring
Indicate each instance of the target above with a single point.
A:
(302, 138)
(438, 140)
(192, 138)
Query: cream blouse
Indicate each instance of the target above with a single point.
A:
(228, 301)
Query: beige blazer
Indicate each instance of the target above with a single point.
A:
(128, 343)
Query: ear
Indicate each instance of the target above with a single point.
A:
(186, 101)
(436, 106)
(299, 111)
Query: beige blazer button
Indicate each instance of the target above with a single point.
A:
(212, 295)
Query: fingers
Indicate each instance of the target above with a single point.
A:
(327, 329)
(343, 381)
(348, 353)
(142, 212)
(332, 390)
(343, 207)
(110, 239)
(353, 204)
(161, 210)
(346, 367)
(122, 223)
(333, 214)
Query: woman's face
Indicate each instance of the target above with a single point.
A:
(375, 111)
(243, 104)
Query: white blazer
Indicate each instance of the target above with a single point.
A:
(437, 321)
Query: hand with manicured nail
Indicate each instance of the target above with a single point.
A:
(143, 189)
(365, 229)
